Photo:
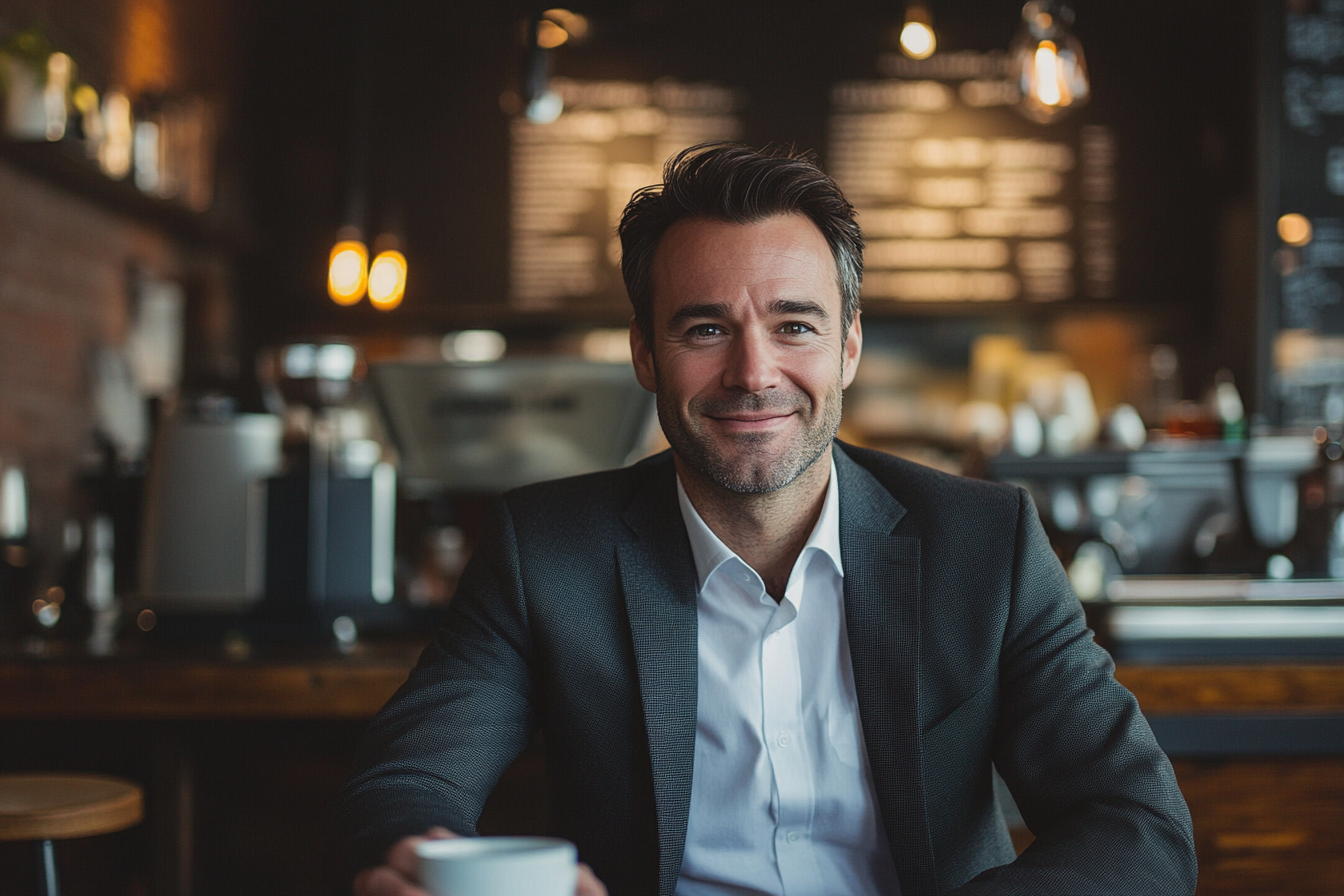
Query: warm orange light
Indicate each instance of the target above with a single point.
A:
(550, 35)
(573, 23)
(1046, 61)
(1295, 229)
(1047, 74)
(347, 272)
(917, 40)
(147, 45)
(387, 280)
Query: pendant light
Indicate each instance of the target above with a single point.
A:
(917, 38)
(387, 274)
(347, 269)
(348, 263)
(1046, 62)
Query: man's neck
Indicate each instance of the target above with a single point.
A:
(767, 531)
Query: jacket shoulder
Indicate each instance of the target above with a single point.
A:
(929, 493)
(589, 499)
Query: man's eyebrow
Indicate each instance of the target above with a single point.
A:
(801, 307)
(698, 312)
(712, 310)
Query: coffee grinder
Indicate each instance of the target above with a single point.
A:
(330, 515)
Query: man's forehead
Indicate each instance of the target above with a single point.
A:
(701, 253)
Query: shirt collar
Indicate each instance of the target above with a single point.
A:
(709, 551)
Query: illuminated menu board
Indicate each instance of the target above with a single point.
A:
(963, 200)
(1311, 169)
(1302, 174)
(572, 178)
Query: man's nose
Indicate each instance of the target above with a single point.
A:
(751, 364)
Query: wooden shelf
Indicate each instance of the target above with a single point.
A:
(65, 165)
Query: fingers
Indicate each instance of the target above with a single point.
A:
(397, 877)
(384, 881)
(402, 857)
(589, 885)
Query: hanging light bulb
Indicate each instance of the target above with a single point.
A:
(1046, 61)
(347, 270)
(917, 38)
(542, 104)
(387, 276)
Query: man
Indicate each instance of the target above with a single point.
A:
(768, 662)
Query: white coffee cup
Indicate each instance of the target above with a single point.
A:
(498, 866)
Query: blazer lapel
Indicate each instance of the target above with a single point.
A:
(882, 607)
(658, 577)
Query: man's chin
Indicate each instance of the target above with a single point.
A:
(753, 475)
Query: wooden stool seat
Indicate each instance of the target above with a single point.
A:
(61, 806)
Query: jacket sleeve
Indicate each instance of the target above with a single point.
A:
(1089, 777)
(436, 750)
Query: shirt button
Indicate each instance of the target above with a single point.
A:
(784, 741)
(794, 836)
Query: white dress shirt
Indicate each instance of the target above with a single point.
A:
(782, 799)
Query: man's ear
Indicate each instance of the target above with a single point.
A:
(642, 357)
(853, 349)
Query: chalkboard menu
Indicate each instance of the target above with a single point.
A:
(572, 177)
(963, 200)
(1304, 159)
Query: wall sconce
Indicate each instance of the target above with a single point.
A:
(1046, 61)
(917, 38)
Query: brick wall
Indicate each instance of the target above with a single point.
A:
(64, 264)
(66, 259)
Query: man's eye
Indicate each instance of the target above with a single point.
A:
(705, 331)
(795, 329)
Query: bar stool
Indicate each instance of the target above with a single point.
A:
(50, 807)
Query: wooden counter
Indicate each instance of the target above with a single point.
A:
(282, 687)
(1264, 823)
(322, 684)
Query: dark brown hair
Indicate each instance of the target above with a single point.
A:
(735, 183)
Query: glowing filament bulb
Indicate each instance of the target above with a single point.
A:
(346, 272)
(1047, 74)
(917, 40)
(387, 280)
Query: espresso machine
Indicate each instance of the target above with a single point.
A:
(279, 524)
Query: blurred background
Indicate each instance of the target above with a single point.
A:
(289, 291)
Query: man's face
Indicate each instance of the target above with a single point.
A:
(747, 355)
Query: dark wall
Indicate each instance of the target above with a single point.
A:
(1176, 83)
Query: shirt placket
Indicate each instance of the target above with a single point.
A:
(781, 686)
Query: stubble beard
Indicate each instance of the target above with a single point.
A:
(744, 472)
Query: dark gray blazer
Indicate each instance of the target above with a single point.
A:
(577, 614)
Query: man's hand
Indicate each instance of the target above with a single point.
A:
(400, 877)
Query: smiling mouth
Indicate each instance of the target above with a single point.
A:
(749, 422)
